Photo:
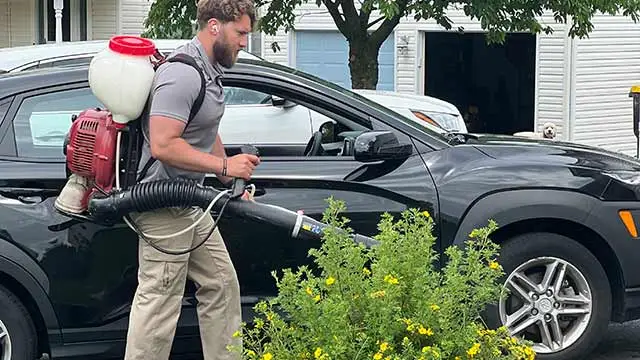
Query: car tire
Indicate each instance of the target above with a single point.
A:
(531, 254)
(18, 326)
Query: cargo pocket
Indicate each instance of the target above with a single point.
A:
(162, 272)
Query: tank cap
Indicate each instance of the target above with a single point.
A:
(132, 45)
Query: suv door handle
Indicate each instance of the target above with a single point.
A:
(27, 195)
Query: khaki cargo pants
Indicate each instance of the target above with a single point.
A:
(161, 283)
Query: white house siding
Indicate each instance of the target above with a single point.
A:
(5, 40)
(606, 66)
(103, 19)
(553, 78)
(17, 23)
(133, 13)
(280, 56)
(407, 64)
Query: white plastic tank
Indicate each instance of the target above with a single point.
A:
(121, 76)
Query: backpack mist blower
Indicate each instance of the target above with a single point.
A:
(103, 150)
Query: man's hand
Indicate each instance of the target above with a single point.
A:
(242, 166)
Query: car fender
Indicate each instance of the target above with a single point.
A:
(16, 264)
(507, 207)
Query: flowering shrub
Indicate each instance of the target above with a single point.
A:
(391, 301)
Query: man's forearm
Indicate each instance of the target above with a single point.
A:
(219, 152)
(180, 154)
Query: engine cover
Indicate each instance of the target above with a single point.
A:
(91, 147)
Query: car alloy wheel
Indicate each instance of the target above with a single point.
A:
(549, 302)
(5, 342)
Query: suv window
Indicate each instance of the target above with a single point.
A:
(6, 137)
(240, 96)
(42, 121)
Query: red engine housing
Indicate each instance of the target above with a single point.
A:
(91, 148)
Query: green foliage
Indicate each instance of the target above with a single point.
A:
(390, 301)
(173, 19)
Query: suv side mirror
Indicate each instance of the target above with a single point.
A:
(380, 145)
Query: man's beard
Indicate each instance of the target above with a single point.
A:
(223, 54)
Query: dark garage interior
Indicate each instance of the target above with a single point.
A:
(493, 86)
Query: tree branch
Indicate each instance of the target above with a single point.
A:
(381, 34)
(366, 7)
(337, 17)
(375, 21)
(349, 11)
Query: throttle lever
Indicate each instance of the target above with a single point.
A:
(239, 183)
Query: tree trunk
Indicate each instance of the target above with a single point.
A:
(363, 64)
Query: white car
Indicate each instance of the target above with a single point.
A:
(266, 118)
(21, 58)
(438, 115)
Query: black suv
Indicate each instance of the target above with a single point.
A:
(566, 214)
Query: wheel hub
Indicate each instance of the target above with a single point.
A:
(549, 303)
(545, 305)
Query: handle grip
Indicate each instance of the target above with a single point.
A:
(239, 183)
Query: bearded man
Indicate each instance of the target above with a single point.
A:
(186, 145)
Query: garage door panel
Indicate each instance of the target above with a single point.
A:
(325, 54)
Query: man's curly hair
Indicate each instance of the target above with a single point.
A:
(225, 11)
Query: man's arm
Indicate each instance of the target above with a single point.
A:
(175, 92)
(218, 151)
(168, 146)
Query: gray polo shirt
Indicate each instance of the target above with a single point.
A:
(174, 90)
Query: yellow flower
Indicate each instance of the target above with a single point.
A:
(316, 298)
(366, 271)
(390, 279)
(377, 356)
(384, 346)
(494, 265)
(474, 349)
(267, 356)
(330, 281)
(426, 213)
(435, 307)
(529, 353)
(424, 331)
(236, 334)
(317, 353)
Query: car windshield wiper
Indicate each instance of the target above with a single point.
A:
(456, 138)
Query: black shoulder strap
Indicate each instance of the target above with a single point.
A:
(197, 104)
(186, 59)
